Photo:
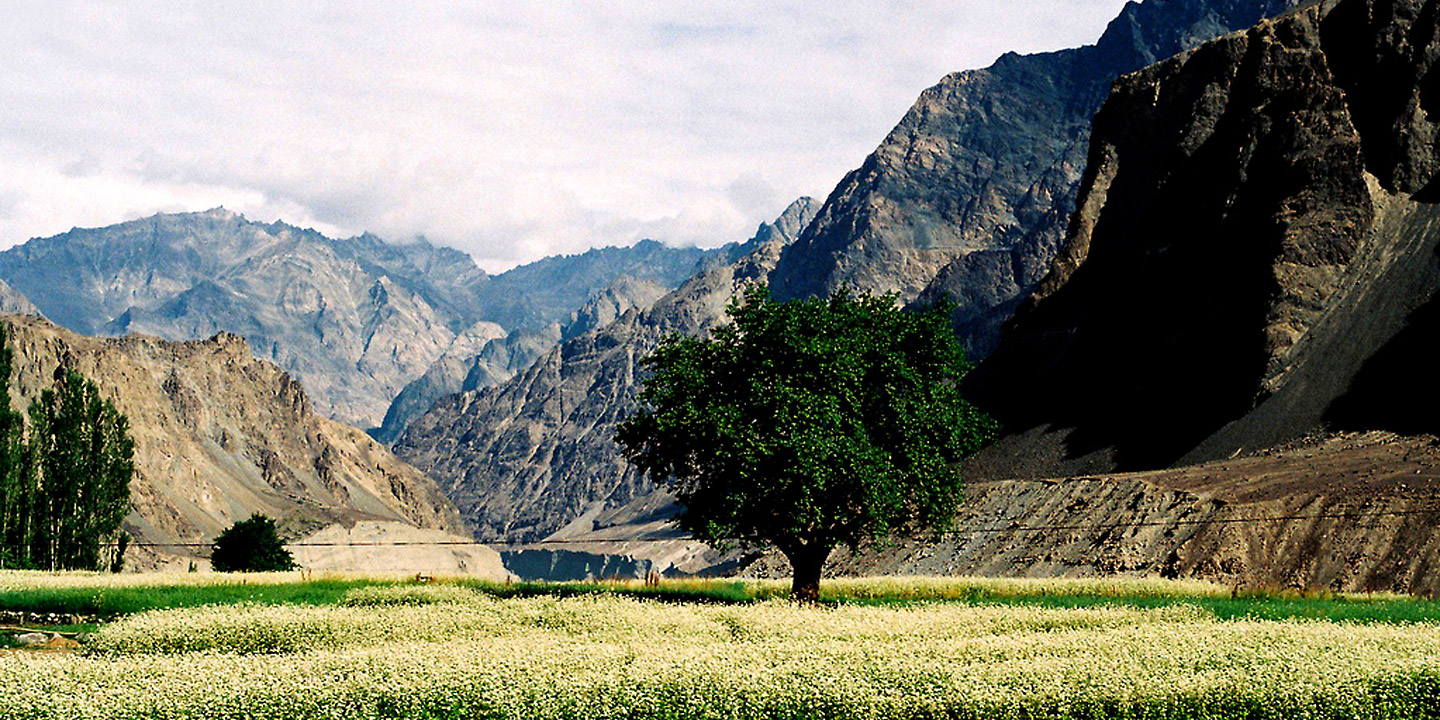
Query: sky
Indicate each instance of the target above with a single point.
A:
(511, 131)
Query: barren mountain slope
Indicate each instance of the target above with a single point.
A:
(1254, 254)
(970, 194)
(219, 435)
(1353, 512)
(525, 458)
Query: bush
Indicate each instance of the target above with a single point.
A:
(251, 545)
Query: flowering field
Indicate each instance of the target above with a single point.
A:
(444, 651)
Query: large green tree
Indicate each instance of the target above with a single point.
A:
(809, 424)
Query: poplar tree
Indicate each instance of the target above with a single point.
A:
(14, 493)
(83, 458)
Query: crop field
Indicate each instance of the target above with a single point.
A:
(977, 649)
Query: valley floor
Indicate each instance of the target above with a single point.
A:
(276, 647)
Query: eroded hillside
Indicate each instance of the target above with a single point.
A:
(219, 435)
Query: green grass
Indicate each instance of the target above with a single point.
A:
(106, 601)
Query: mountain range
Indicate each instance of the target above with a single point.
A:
(355, 320)
(986, 165)
(1197, 261)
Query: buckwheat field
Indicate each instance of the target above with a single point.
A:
(450, 651)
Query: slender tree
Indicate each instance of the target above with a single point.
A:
(14, 513)
(82, 457)
(809, 424)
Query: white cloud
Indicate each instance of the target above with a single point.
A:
(509, 130)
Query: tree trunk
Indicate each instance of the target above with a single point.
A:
(806, 564)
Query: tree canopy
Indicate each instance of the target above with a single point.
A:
(251, 545)
(809, 424)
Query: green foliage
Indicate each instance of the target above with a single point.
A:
(83, 457)
(251, 545)
(111, 595)
(64, 483)
(15, 493)
(809, 424)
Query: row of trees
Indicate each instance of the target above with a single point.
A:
(65, 469)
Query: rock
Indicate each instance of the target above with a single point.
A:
(971, 193)
(32, 639)
(1254, 255)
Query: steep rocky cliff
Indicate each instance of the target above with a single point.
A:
(355, 320)
(1254, 255)
(219, 435)
(525, 458)
(971, 193)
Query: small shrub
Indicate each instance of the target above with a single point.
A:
(251, 545)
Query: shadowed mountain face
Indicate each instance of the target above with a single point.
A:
(220, 435)
(971, 193)
(1253, 257)
(535, 453)
(355, 320)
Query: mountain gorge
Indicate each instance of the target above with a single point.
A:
(535, 453)
(355, 320)
(1199, 263)
(983, 170)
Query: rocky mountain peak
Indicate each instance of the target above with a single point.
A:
(531, 455)
(1265, 196)
(970, 194)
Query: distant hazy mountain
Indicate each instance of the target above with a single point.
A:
(547, 290)
(483, 359)
(12, 301)
(356, 319)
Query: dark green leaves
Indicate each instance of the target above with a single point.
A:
(64, 480)
(251, 545)
(810, 423)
